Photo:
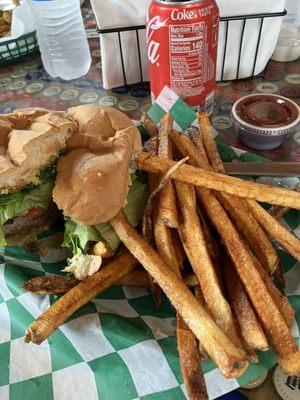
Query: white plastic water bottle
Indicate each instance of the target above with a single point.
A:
(61, 37)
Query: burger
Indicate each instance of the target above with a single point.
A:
(95, 180)
(31, 140)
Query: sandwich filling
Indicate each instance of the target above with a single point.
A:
(30, 142)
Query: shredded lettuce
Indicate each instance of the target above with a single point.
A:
(20, 202)
(77, 235)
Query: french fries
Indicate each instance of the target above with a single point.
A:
(275, 229)
(189, 356)
(250, 327)
(195, 247)
(213, 180)
(228, 357)
(187, 342)
(236, 207)
(167, 201)
(276, 329)
(278, 212)
(79, 295)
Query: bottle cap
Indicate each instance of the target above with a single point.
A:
(52, 91)
(267, 87)
(293, 78)
(17, 85)
(108, 101)
(288, 387)
(5, 81)
(129, 105)
(70, 94)
(89, 97)
(34, 87)
(256, 382)
(18, 73)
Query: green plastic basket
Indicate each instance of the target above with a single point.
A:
(16, 49)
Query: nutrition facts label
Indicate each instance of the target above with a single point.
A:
(189, 67)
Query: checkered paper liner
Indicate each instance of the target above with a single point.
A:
(115, 347)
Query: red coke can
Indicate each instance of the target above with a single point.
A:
(182, 39)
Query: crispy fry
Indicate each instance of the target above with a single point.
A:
(49, 284)
(276, 328)
(228, 357)
(187, 343)
(81, 294)
(235, 207)
(195, 247)
(164, 243)
(209, 143)
(147, 229)
(288, 241)
(251, 230)
(279, 299)
(278, 212)
(213, 180)
(199, 296)
(190, 362)
(167, 201)
(270, 316)
(250, 327)
(164, 180)
(149, 125)
(210, 241)
(180, 254)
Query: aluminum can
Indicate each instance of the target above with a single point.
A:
(182, 40)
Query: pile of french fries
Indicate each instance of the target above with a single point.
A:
(228, 306)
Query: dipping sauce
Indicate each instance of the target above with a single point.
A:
(267, 111)
(264, 120)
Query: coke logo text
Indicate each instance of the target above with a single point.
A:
(183, 15)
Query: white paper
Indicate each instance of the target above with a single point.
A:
(120, 13)
(115, 14)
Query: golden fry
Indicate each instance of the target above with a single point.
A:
(276, 328)
(288, 241)
(195, 247)
(228, 357)
(236, 207)
(250, 327)
(79, 295)
(167, 201)
(190, 362)
(212, 180)
(49, 284)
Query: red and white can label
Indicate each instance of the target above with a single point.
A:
(182, 49)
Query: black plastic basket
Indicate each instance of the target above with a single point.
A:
(225, 20)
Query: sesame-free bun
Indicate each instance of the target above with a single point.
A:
(93, 178)
(30, 139)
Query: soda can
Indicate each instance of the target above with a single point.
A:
(182, 40)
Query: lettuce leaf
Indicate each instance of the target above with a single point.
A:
(20, 202)
(77, 235)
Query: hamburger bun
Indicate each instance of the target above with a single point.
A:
(30, 140)
(93, 178)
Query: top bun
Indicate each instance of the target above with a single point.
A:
(30, 139)
(93, 178)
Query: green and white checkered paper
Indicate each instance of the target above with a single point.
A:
(114, 348)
